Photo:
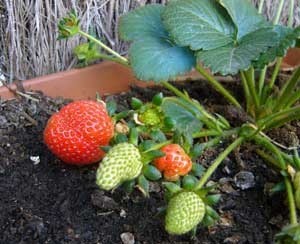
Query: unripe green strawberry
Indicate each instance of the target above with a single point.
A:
(151, 117)
(121, 163)
(185, 211)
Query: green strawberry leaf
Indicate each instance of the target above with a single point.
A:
(153, 55)
(186, 117)
(142, 22)
(155, 58)
(287, 38)
(235, 57)
(227, 35)
(199, 24)
(245, 17)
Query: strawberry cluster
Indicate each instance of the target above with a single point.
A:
(83, 133)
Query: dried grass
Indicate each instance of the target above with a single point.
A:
(28, 45)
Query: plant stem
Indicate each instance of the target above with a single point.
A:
(268, 158)
(225, 133)
(207, 118)
(113, 59)
(251, 85)
(272, 148)
(217, 162)
(287, 90)
(283, 116)
(279, 60)
(291, 201)
(91, 38)
(221, 89)
(205, 133)
(261, 82)
(246, 92)
(275, 72)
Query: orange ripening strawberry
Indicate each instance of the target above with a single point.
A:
(174, 163)
(77, 131)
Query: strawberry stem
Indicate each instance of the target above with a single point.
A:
(217, 162)
(119, 59)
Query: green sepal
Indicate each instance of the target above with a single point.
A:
(296, 159)
(68, 26)
(120, 138)
(171, 187)
(111, 107)
(151, 173)
(147, 157)
(158, 136)
(197, 150)
(158, 99)
(197, 170)
(87, 53)
(105, 148)
(207, 221)
(121, 115)
(146, 145)
(133, 136)
(143, 185)
(128, 186)
(187, 141)
(189, 182)
(169, 123)
(194, 231)
(279, 187)
(212, 199)
(177, 138)
(211, 212)
(161, 211)
(136, 103)
(205, 190)
(289, 234)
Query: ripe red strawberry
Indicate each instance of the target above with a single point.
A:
(77, 131)
(174, 163)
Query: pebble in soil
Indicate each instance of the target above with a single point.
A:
(51, 202)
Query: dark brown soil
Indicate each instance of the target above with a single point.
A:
(50, 202)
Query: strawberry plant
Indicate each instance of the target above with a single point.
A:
(230, 38)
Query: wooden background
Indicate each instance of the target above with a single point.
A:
(28, 31)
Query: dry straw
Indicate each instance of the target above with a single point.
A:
(28, 45)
